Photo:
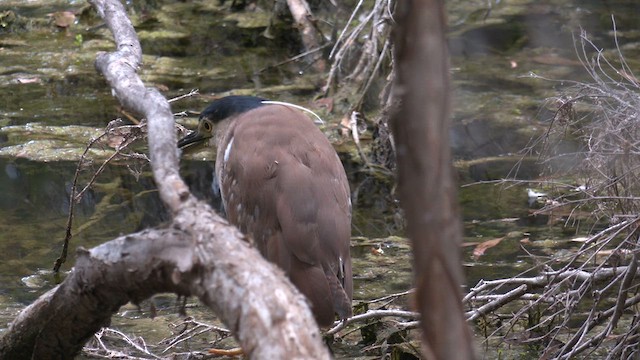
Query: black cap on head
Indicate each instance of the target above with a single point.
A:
(229, 106)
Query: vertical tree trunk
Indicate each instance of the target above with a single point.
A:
(426, 187)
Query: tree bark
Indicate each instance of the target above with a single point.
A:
(198, 254)
(119, 69)
(425, 181)
(310, 36)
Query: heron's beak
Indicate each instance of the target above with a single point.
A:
(193, 139)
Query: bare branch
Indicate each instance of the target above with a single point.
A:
(119, 69)
(373, 314)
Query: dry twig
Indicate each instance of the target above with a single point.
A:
(598, 284)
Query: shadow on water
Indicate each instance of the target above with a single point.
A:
(35, 204)
(34, 209)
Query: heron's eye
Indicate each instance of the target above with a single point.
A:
(206, 125)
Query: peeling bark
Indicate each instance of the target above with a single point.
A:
(425, 180)
(199, 254)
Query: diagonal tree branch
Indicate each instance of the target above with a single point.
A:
(120, 70)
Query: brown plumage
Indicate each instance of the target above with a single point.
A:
(283, 184)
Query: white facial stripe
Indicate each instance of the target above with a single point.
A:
(318, 118)
(227, 151)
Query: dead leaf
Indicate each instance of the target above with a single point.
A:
(483, 246)
(29, 80)
(162, 87)
(377, 250)
(580, 239)
(64, 19)
(345, 126)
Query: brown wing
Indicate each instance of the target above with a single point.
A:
(297, 208)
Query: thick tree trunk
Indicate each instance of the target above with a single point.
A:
(199, 254)
(426, 187)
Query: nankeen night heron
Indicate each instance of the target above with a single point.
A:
(283, 184)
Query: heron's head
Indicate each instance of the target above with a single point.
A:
(217, 112)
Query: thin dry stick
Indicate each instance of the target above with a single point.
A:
(495, 304)
(131, 342)
(372, 314)
(72, 200)
(73, 197)
(191, 93)
(292, 59)
(348, 40)
(353, 126)
(373, 73)
(104, 352)
(391, 296)
(198, 329)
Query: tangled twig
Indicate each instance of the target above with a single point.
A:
(123, 137)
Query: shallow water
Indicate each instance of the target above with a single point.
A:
(49, 83)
